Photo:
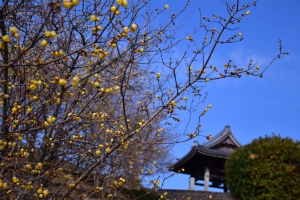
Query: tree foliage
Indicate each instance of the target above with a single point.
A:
(267, 168)
(89, 91)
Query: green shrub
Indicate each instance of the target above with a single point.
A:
(268, 168)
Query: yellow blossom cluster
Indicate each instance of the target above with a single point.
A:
(81, 91)
(70, 3)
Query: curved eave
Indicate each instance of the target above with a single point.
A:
(213, 155)
(221, 137)
(201, 150)
(183, 160)
(235, 141)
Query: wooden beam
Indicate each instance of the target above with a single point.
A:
(201, 184)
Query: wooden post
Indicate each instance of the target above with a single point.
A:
(192, 183)
(206, 179)
(225, 187)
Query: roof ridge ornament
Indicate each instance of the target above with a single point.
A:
(196, 143)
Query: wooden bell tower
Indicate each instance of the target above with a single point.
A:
(205, 163)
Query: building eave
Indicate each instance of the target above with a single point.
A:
(223, 154)
(184, 159)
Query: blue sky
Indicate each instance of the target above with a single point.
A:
(252, 106)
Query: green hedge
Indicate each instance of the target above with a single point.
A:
(268, 168)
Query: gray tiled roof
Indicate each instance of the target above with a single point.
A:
(220, 137)
(199, 149)
(213, 152)
(207, 148)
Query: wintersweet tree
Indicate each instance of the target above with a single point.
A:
(88, 93)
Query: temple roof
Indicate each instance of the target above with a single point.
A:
(217, 150)
(224, 137)
(199, 150)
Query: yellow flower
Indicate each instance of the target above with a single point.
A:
(57, 101)
(75, 2)
(173, 103)
(67, 4)
(6, 38)
(99, 28)
(133, 27)
(33, 87)
(76, 79)
(96, 84)
(61, 53)
(98, 152)
(158, 74)
(125, 29)
(113, 9)
(13, 29)
(62, 82)
(53, 34)
(39, 165)
(167, 6)
(208, 137)
(116, 87)
(29, 109)
(47, 33)
(93, 18)
(107, 150)
(125, 3)
(248, 12)
(45, 192)
(44, 43)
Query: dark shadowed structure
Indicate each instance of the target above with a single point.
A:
(205, 163)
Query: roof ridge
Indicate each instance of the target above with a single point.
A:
(220, 136)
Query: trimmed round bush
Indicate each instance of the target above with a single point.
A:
(268, 168)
